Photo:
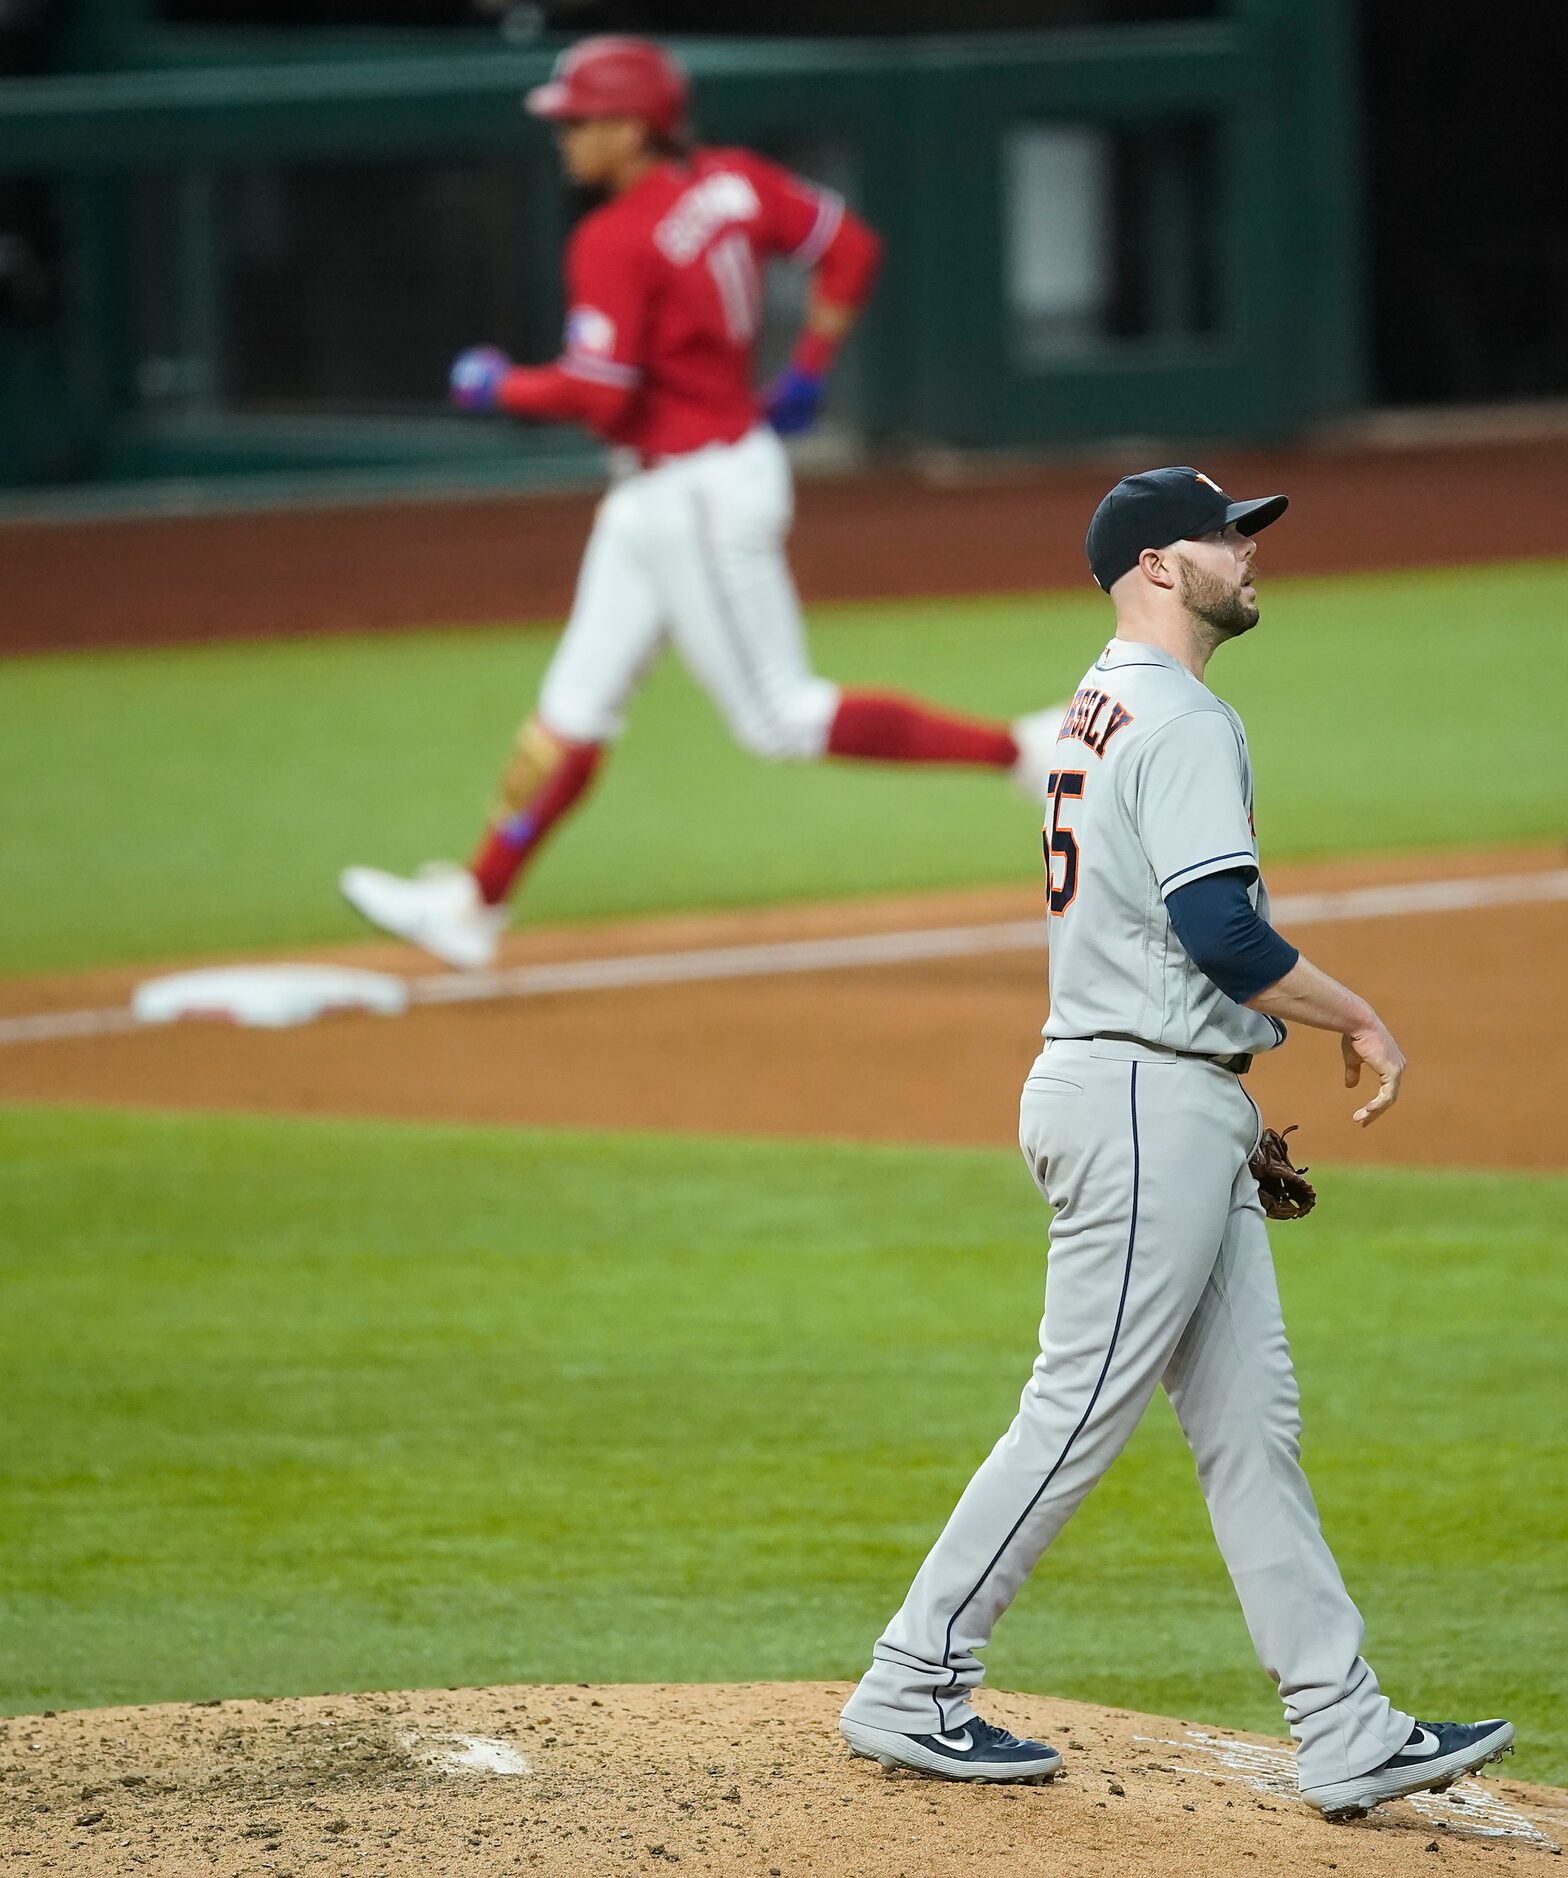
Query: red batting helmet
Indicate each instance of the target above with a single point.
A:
(615, 76)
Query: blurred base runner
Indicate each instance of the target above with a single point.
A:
(688, 548)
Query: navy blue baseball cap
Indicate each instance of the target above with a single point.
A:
(1157, 507)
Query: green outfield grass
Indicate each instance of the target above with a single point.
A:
(305, 1406)
(164, 804)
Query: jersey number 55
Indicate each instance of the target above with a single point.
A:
(1059, 841)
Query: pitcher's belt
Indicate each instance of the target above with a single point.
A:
(1238, 1064)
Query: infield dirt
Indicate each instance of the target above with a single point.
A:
(923, 1051)
(736, 1779)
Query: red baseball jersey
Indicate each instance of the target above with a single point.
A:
(664, 292)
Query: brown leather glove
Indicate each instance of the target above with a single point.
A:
(1285, 1191)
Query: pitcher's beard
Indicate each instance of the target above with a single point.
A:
(1221, 608)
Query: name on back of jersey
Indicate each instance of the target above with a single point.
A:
(1093, 718)
(716, 202)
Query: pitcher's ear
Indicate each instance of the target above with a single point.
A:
(1159, 565)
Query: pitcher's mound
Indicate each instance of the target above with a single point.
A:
(748, 1778)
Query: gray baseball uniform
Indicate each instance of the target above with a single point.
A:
(1138, 1130)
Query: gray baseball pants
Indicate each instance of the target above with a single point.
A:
(1160, 1273)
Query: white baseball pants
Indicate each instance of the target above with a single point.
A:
(693, 549)
(1160, 1272)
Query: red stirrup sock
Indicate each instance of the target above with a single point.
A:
(890, 729)
(560, 772)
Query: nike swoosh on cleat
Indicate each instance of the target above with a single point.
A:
(1421, 1748)
(958, 1743)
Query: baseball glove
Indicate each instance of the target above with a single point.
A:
(1285, 1191)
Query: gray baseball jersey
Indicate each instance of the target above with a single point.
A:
(1138, 1135)
(1153, 790)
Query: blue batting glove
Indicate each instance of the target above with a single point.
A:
(476, 378)
(795, 401)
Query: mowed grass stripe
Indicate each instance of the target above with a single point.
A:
(304, 1406)
(164, 804)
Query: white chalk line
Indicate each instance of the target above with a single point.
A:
(53, 1026)
(848, 952)
(1467, 1808)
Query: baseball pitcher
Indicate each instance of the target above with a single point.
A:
(1166, 979)
(664, 294)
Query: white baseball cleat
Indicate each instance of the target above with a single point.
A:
(1035, 736)
(440, 910)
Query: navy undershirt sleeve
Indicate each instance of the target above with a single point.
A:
(1221, 933)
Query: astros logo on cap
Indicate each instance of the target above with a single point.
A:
(1210, 481)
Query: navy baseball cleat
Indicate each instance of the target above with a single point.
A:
(977, 1751)
(1434, 1757)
